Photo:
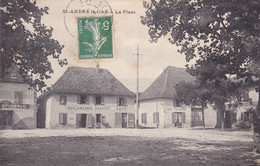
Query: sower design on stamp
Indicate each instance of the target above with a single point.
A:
(95, 38)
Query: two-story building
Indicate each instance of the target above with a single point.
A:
(159, 106)
(87, 98)
(17, 102)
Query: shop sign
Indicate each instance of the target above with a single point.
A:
(8, 104)
(98, 108)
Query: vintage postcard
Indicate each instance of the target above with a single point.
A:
(105, 82)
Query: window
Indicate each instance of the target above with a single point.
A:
(121, 101)
(144, 117)
(156, 117)
(18, 97)
(98, 118)
(176, 103)
(99, 100)
(63, 118)
(13, 75)
(63, 100)
(83, 99)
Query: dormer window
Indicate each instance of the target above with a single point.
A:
(13, 75)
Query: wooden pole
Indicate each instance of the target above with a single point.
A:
(137, 88)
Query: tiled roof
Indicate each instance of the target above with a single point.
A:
(164, 85)
(90, 81)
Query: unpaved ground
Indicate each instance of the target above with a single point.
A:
(126, 147)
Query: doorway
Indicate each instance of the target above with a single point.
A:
(178, 118)
(81, 120)
(196, 117)
(124, 120)
(6, 120)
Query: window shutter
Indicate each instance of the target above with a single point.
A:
(157, 117)
(78, 99)
(125, 101)
(117, 100)
(64, 119)
(173, 117)
(87, 99)
(154, 117)
(94, 99)
(183, 117)
(102, 100)
(61, 118)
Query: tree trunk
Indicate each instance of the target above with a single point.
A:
(222, 120)
(256, 123)
(203, 119)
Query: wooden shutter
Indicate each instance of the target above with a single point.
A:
(117, 100)
(131, 120)
(61, 118)
(18, 97)
(118, 120)
(183, 118)
(77, 120)
(64, 119)
(157, 117)
(154, 118)
(89, 120)
(102, 100)
(173, 117)
(78, 99)
(87, 99)
(125, 101)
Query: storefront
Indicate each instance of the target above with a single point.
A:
(17, 102)
(159, 106)
(103, 102)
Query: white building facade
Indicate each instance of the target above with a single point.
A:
(101, 104)
(159, 106)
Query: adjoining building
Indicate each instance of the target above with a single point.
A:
(87, 98)
(159, 106)
(17, 102)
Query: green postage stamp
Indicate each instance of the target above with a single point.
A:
(95, 38)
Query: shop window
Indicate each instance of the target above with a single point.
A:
(83, 99)
(144, 117)
(121, 101)
(18, 97)
(63, 99)
(156, 117)
(63, 118)
(99, 100)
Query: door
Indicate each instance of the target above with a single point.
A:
(196, 117)
(124, 120)
(81, 120)
(131, 120)
(6, 119)
(178, 118)
(98, 120)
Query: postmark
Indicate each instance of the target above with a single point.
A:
(84, 8)
(95, 39)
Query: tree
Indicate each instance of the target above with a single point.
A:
(222, 33)
(26, 42)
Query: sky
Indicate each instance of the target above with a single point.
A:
(128, 33)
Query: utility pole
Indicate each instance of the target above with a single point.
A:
(137, 86)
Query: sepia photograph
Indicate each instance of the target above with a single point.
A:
(130, 82)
